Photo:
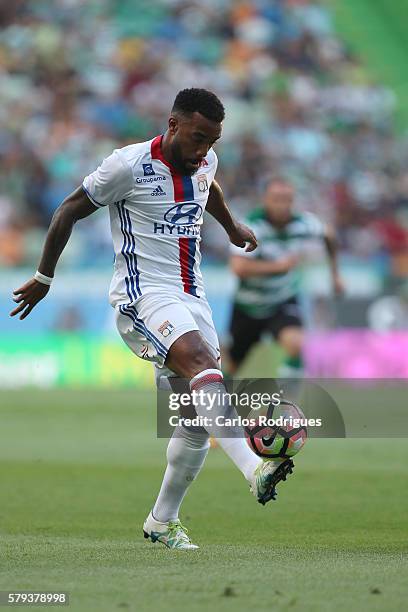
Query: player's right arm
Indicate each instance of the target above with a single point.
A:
(76, 206)
(244, 267)
(110, 182)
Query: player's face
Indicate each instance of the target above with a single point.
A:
(278, 202)
(191, 139)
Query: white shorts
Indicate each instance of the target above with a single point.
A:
(151, 325)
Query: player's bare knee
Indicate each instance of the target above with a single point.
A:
(203, 360)
(190, 355)
(199, 359)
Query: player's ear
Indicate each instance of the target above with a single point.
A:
(173, 125)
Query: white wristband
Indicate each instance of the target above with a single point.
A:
(41, 278)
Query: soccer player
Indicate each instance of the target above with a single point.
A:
(267, 296)
(156, 193)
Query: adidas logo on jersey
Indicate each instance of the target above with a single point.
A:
(158, 192)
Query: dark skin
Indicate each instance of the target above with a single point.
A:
(185, 144)
(188, 140)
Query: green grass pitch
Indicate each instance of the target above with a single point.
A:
(79, 473)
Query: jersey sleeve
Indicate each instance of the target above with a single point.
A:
(314, 227)
(110, 182)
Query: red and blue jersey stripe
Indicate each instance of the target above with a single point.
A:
(183, 192)
(183, 185)
(187, 252)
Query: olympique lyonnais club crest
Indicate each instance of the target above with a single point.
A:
(202, 183)
(166, 328)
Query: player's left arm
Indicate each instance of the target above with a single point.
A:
(331, 245)
(239, 234)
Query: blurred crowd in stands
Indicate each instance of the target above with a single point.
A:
(79, 78)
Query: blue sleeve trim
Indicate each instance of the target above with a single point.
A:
(94, 202)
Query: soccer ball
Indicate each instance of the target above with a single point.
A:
(278, 432)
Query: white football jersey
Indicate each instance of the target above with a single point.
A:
(156, 216)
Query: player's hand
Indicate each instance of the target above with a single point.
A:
(338, 285)
(242, 236)
(289, 262)
(28, 296)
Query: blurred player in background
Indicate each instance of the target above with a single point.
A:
(267, 299)
(156, 192)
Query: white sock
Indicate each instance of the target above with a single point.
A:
(186, 453)
(234, 444)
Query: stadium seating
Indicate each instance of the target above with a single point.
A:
(297, 100)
